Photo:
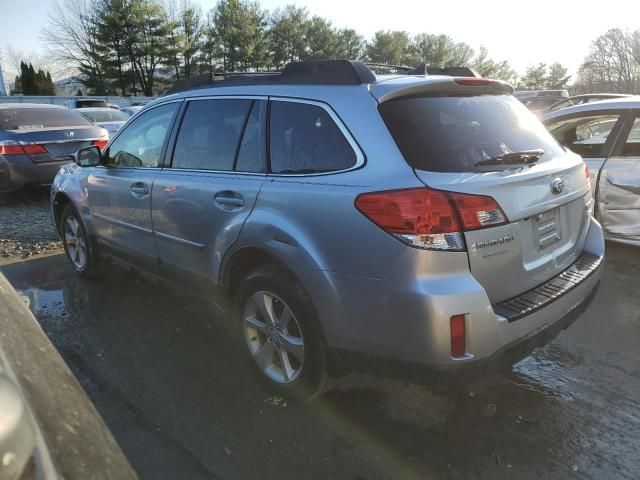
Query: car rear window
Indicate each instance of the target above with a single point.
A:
(106, 116)
(24, 119)
(452, 134)
(91, 104)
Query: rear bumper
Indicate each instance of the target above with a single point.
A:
(406, 317)
(20, 171)
(343, 361)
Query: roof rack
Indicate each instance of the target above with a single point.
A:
(321, 72)
(318, 72)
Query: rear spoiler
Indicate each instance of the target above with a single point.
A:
(439, 85)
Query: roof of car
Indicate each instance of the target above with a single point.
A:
(608, 104)
(30, 105)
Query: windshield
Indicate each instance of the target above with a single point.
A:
(453, 134)
(23, 119)
(105, 115)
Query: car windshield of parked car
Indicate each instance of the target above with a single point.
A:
(24, 119)
(110, 115)
(453, 134)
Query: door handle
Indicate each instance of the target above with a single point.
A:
(229, 199)
(139, 189)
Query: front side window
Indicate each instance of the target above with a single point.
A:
(632, 145)
(586, 135)
(210, 134)
(303, 138)
(140, 143)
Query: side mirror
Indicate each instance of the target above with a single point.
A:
(88, 157)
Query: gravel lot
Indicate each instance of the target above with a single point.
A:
(25, 226)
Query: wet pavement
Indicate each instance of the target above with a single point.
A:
(180, 399)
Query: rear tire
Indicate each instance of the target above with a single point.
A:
(78, 247)
(280, 331)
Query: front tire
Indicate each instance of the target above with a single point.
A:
(77, 244)
(281, 332)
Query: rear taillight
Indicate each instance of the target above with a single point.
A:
(457, 336)
(100, 143)
(34, 149)
(22, 149)
(478, 211)
(587, 175)
(430, 219)
(421, 217)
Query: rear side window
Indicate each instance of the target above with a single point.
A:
(585, 135)
(210, 134)
(24, 119)
(305, 139)
(452, 134)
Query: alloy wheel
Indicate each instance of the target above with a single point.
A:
(274, 337)
(75, 242)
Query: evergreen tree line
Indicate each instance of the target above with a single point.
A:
(32, 82)
(132, 47)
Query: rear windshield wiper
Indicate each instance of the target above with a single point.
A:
(525, 157)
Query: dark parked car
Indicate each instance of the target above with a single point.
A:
(35, 140)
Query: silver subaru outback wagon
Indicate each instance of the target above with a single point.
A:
(420, 219)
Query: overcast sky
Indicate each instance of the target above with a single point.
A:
(524, 33)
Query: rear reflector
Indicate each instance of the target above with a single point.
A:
(457, 336)
(100, 143)
(22, 149)
(427, 218)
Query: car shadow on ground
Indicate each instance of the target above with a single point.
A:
(165, 371)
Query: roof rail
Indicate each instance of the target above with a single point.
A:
(320, 72)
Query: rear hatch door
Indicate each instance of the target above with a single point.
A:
(455, 142)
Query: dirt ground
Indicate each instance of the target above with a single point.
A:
(25, 226)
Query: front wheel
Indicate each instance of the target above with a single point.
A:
(281, 332)
(77, 245)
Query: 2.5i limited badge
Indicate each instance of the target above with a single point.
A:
(494, 242)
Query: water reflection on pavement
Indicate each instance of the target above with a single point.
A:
(177, 394)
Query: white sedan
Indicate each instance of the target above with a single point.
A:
(607, 135)
(107, 118)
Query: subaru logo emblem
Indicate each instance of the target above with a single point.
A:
(557, 185)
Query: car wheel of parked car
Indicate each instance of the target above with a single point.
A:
(77, 245)
(281, 332)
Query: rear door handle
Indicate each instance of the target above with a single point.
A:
(139, 189)
(229, 199)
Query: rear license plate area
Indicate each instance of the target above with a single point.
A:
(547, 227)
